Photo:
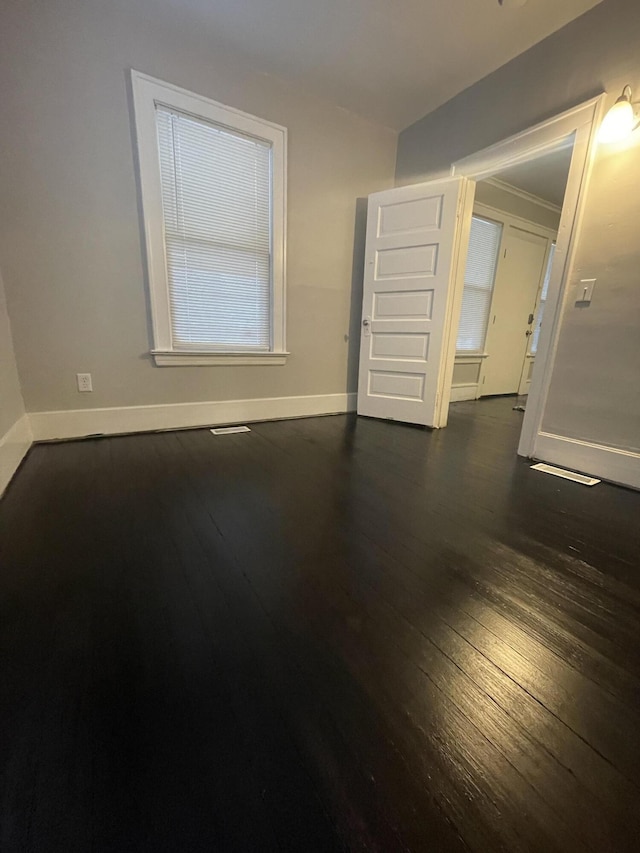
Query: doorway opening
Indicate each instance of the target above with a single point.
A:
(416, 247)
(513, 237)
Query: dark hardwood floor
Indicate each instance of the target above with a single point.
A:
(326, 634)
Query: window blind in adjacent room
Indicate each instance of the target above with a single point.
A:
(482, 259)
(216, 201)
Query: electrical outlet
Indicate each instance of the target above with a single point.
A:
(84, 382)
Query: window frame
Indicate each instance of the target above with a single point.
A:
(147, 93)
(481, 352)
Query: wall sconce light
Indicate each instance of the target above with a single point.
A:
(620, 121)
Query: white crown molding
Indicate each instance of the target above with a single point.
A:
(14, 446)
(498, 215)
(523, 194)
(79, 423)
(595, 460)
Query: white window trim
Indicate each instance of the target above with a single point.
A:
(480, 353)
(147, 92)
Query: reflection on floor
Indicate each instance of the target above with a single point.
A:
(324, 634)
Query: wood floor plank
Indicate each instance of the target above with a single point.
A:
(348, 723)
(325, 634)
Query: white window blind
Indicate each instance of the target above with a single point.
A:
(535, 338)
(216, 200)
(482, 259)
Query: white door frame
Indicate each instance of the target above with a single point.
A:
(525, 383)
(583, 121)
(508, 220)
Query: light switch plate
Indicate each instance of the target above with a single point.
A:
(584, 292)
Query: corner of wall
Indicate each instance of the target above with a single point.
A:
(14, 446)
(15, 428)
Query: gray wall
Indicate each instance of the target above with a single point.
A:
(11, 405)
(595, 394)
(69, 224)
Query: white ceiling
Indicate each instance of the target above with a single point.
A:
(390, 60)
(545, 177)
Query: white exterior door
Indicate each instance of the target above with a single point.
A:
(417, 239)
(520, 276)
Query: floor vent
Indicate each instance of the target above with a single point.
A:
(566, 475)
(230, 430)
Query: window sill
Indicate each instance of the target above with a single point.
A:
(471, 356)
(176, 358)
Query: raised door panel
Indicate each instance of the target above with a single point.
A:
(409, 263)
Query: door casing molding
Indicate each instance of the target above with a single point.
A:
(581, 123)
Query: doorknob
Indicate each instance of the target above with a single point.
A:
(366, 324)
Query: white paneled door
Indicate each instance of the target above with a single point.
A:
(416, 249)
(513, 307)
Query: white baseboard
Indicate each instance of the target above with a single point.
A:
(77, 423)
(14, 445)
(464, 392)
(596, 460)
